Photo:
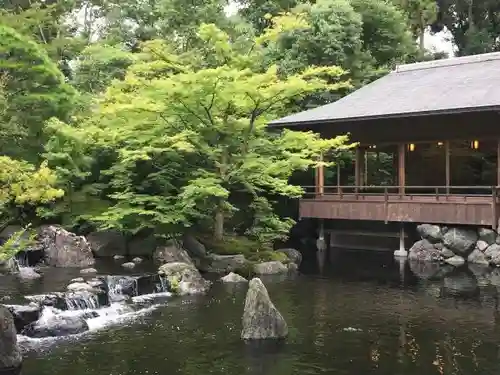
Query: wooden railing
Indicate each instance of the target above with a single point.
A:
(475, 195)
(406, 191)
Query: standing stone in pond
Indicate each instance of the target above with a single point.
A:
(233, 278)
(10, 355)
(261, 320)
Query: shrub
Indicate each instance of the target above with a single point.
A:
(16, 243)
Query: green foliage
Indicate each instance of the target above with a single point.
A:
(182, 139)
(24, 187)
(98, 65)
(19, 241)
(360, 36)
(174, 283)
(33, 91)
(159, 122)
(232, 245)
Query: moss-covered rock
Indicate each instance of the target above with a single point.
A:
(183, 278)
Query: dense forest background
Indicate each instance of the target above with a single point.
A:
(150, 116)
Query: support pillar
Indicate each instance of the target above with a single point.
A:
(498, 162)
(401, 253)
(338, 177)
(359, 168)
(320, 177)
(401, 168)
(321, 245)
(447, 161)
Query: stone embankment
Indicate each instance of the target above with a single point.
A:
(456, 245)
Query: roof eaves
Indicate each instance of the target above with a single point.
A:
(277, 124)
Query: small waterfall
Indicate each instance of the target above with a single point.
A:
(81, 301)
(122, 286)
(22, 259)
(164, 285)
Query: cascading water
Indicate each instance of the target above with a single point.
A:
(108, 301)
(81, 301)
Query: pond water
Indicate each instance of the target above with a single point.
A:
(356, 317)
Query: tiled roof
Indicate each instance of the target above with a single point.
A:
(462, 84)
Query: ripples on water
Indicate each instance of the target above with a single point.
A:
(356, 318)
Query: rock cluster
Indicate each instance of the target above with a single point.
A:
(456, 246)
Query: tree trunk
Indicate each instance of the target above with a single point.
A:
(422, 34)
(219, 224)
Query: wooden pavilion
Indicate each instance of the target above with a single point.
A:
(440, 123)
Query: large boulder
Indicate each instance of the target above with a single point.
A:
(57, 325)
(295, 256)
(261, 320)
(172, 252)
(194, 247)
(270, 268)
(429, 232)
(482, 245)
(142, 246)
(24, 314)
(461, 241)
(65, 249)
(424, 251)
(107, 243)
(183, 278)
(10, 355)
(487, 235)
(492, 253)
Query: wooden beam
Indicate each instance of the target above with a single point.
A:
(401, 168)
(447, 161)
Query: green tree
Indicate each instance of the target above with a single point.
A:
(420, 15)
(259, 12)
(361, 36)
(184, 142)
(34, 90)
(474, 24)
(98, 65)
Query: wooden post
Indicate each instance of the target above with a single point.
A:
(401, 168)
(498, 162)
(338, 176)
(358, 165)
(447, 161)
(365, 169)
(401, 253)
(494, 213)
(320, 178)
